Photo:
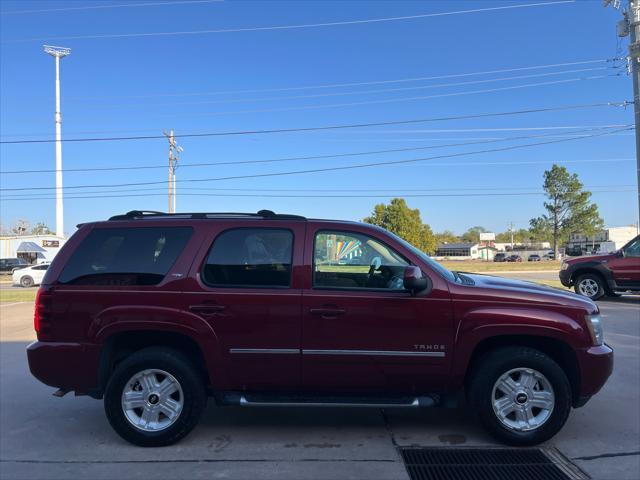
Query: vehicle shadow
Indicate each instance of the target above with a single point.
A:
(628, 299)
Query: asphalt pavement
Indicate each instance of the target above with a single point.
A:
(44, 437)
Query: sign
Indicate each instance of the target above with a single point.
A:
(51, 243)
(487, 236)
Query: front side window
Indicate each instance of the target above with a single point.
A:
(125, 256)
(356, 261)
(633, 249)
(250, 257)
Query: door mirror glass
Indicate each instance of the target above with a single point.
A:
(415, 281)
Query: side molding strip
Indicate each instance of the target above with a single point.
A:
(265, 350)
(382, 353)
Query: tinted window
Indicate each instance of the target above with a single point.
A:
(353, 260)
(633, 249)
(125, 256)
(41, 267)
(250, 257)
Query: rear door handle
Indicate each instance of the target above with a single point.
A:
(327, 312)
(207, 310)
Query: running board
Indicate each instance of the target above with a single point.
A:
(297, 400)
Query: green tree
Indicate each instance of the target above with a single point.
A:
(405, 222)
(40, 228)
(520, 236)
(568, 207)
(473, 234)
(446, 237)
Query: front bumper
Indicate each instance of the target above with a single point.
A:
(596, 365)
(565, 277)
(69, 366)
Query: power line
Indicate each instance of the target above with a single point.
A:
(43, 196)
(286, 27)
(96, 7)
(499, 194)
(392, 100)
(353, 84)
(327, 127)
(322, 170)
(362, 92)
(307, 157)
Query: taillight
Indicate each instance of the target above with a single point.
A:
(42, 311)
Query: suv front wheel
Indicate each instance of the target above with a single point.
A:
(154, 397)
(590, 285)
(521, 395)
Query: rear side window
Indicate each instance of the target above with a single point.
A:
(125, 256)
(250, 257)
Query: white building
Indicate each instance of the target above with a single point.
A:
(607, 240)
(33, 248)
(465, 251)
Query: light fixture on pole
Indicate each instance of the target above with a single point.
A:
(58, 53)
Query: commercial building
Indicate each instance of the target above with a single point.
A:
(607, 240)
(466, 251)
(33, 248)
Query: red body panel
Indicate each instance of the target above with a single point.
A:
(269, 339)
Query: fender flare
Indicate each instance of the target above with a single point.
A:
(592, 267)
(127, 318)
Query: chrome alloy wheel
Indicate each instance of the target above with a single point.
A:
(588, 287)
(152, 400)
(523, 399)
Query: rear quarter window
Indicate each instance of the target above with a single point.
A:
(125, 256)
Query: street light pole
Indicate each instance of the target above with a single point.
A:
(58, 53)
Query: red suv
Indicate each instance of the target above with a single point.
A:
(598, 275)
(155, 313)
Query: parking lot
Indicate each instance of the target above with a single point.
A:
(46, 437)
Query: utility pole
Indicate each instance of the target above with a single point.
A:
(58, 53)
(630, 26)
(174, 153)
(511, 231)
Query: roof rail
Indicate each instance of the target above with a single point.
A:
(265, 214)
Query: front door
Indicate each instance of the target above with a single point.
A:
(362, 331)
(626, 268)
(247, 290)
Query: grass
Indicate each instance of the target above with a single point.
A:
(10, 296)
(477, 266)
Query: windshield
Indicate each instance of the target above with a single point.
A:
(427, 259)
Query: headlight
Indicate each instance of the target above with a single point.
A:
(594, 324)
(564, 266)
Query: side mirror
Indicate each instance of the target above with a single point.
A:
(620, 253)
(415, 281)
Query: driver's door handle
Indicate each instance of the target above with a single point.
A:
(327, 312)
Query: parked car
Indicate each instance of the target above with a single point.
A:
(30, 276)
(610, 274)
(513, 258)
(8, 265)
(533, 258)
(153, 313)
(500, 257)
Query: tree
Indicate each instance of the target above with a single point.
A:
(40, 228)
(568, 207)
(21, 227)
(473, 234)
(446, 237)
(521, 236)
(405, 222)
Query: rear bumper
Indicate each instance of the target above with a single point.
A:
(596, 365)
(70, 366)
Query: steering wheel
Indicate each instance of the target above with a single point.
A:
(396, 283)
(376, 263)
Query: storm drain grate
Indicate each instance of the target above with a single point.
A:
(488, 464)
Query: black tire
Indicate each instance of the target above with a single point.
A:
(500, 361)
(26, 281)
(172, 362)
(590, 277)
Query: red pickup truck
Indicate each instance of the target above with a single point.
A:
(156, 312)
(597, 275)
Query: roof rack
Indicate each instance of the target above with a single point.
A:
(264, 214)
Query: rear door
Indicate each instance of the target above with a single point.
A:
(247, 285)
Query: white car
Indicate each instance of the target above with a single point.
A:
(30, 276)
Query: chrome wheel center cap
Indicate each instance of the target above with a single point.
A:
(153, 399)
(521, 398)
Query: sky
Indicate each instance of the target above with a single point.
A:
(138, 68)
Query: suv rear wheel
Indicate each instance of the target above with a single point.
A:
(154, 397)
(590, 285)
(521, 395)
